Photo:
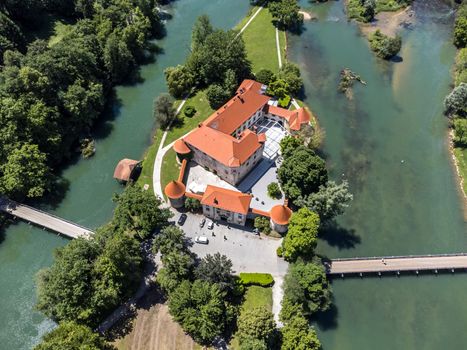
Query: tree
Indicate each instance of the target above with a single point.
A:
(290, 310)
(301, 173)
(302, 234)
(369, 10)
(265, 76)
(139, 212)
(288, 145)
(201, 30)
(456, 101)
(263, 225)
(257, 323)
(460, 27)
(274, 191)
(199, 308)
(305, 284)
(384, 46)
(117, 57)
(278, 88)
(72, 336)
(217, 269)
(221, 51)
(192, 204)
(216, 95)
(252, 344)
(330, 201)
(230, 82)
(171, 238)
(290, 74)
(25, 172)
(164, 112)
(179, 80)
(298, 335)
(460, 132)
(285, 14)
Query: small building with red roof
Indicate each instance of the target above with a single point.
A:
(222, 204)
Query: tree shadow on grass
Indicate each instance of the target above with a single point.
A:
(337, 236)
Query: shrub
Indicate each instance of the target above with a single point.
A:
(284, 102)
(460, 28)
(274, 191)
(190, 111)
(263, 225)
(192, 204)
(279, 252)
(384, 46)
(460, 127)
(216, 95)
(256, 279)
(265, 76)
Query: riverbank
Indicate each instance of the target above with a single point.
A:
(389, 23)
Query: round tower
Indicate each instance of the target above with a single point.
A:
(280, 216)
(175, 191)
(182, 150)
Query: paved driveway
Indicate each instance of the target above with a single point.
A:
(248, 252)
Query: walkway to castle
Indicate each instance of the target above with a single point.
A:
(43, 219)
(414, 263)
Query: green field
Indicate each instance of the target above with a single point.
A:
(170, 168)
(260, 42)
(254, 297)
(461, 156)
(148, 161)
(185, 124)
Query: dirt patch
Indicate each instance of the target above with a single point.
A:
(389, 22)
(154, 329)
(460, 179)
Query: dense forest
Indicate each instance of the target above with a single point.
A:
(52, 92)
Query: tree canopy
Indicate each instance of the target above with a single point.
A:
(302, 172)
(305, 284)
(72, 336)
(285, 13)
(216, 268)
(302, 234)
(384, 46)
(256, 324)
(298, 335)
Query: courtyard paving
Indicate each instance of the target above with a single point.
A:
(248, 252)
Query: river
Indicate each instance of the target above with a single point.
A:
(399, 208)
(24, 250)
(390, 143)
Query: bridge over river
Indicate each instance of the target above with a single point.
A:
(43, 219)
(397, 264)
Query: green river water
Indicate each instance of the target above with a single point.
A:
(390, 143)
(399, 208)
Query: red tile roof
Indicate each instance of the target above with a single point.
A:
(175, 189)
(222, 198)
(280, 214)
(180, 147)
(238, 109)
(295, 118)
(124, 169)
(224, 148)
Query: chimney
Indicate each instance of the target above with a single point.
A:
(216, 201)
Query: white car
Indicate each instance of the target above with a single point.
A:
(210, 225)
(201, 240)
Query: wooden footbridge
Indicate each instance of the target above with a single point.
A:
(43, 219)
(397, 264)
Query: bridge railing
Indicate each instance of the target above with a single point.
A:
(402, 257)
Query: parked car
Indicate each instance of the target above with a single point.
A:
(203, 221)
(210, 225)
(201, 240)
(182, 219)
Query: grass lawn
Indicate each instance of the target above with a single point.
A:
(148, 162)
(254, 296)
(260, 42)
(461, 155)
(170, 168)
(185, 124)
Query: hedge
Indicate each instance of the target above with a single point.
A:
(256, 279)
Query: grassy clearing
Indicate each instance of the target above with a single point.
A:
(185, 124)
(461, 156)
(170, 168)
(148, 161)
(260, 42)
(254, 297)
(389, 5)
